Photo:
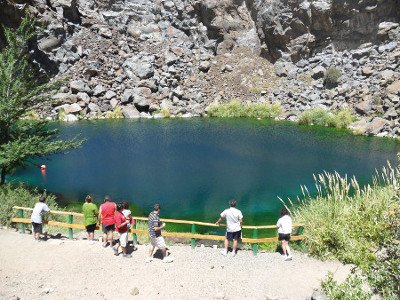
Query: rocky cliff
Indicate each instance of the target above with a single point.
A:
(151, 58)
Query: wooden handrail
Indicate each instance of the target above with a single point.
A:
(193, 235)
(165, 233)
(57, 212)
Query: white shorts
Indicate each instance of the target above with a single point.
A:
(158, 242)
(123, 239)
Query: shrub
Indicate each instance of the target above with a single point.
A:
(115, 114)
(350, 289)
(323, 117)
(61, 115)
(353, 224)
(332, 76)
(19, 196)
(235, 109)
(165, 112)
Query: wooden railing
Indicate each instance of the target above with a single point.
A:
(193, 235)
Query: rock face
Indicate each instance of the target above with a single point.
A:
(142, 57)
(301, 28)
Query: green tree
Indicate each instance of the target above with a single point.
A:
(22, 140)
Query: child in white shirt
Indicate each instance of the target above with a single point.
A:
(284, 225)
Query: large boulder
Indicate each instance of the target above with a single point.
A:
(139, 67)
(394, 88)
(130, 112)
(80, 86)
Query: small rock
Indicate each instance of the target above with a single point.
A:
(130, 112)
(110, 94)
(387, 47)
(363, 107)
(93, 107)
(79, 86)
(318, 295)
(105, 32)
(134, 291)
(318, 72)
(204, 66)
(367, 71)
(376, 125)
(394, 88)
(99, 90)
(83, 97)
(227, 68)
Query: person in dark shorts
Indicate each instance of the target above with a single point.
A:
(36, 218)
(234, 220)
(284, 225)
(107, 220)
(90, 212)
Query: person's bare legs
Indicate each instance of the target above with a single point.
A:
(284, 244)
(235, 245)
(110, 237)
(104, 239)
(151, 250)
(226, 244)
(90, 236)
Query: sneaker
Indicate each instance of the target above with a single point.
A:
(224, 252)
(149, 260)
(167, 259)
(289, 258)
(233, 253)
(115, 251)
(127, 255)
(105, 245)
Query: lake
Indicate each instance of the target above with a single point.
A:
(194, 166)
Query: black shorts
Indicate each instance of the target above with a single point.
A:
(284, 237)
(107, 228)
(234, 235)
(91, 228)
(37, 227)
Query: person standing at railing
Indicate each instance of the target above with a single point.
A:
(234, 221)
(155, 226)
(284, 225)
(121, 226)
(128, 215)
(107, 220)
(36, 217)
(90, 212)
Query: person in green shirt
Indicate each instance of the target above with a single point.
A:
(90, 212)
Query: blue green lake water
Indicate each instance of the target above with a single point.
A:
(194, 166)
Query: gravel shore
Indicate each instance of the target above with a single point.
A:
(66, 269)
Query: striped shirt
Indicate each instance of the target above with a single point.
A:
(154, 221)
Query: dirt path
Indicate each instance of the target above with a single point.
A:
(64, 269)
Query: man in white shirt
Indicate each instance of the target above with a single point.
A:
(284, 225)
(36, 217)
(234, 220)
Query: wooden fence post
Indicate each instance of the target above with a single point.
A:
(255, 245)
(70, 230)
(21, 225)
(193, 242)
(300, 232)
(134, 235)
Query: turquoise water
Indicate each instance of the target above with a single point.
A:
(193, 167)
